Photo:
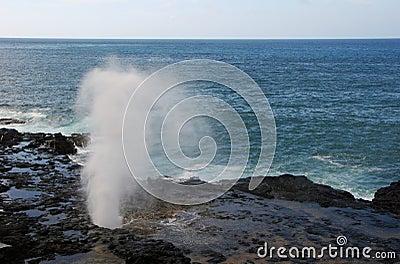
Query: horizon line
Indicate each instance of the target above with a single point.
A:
(103, 38)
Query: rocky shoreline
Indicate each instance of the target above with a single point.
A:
(42, 207)
(43, 216)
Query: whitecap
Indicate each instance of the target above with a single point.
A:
(329, 160)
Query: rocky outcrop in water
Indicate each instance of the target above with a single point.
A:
(11, 121)
(299, 188)
(57, 143)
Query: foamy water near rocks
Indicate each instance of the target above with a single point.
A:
(43, 215)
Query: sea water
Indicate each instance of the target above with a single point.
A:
(336, 102)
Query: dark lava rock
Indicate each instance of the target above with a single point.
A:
(58, 223)
(213, 257)
(61, 144)
(388, 198)
(299, 188)
(140, 250)
(80, 140)
(4, 168)
(9, 137)
(55, 222)
(12, 232)
(37, 139)
(192, 181)
(10, 121)
(3, 188)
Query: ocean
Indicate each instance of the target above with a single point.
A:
(336, 102)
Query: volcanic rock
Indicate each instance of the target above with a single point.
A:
(299, 188)
(80, 140)
(61, 144)
(388, 198)
(9, 137)
(11, 121)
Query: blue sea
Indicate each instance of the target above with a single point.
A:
(336, 102)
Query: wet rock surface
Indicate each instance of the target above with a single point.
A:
(232, 228)
(43, 215)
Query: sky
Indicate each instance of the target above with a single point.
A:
(209, 19)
